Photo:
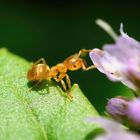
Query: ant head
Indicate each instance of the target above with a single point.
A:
(74, 62)
(37, 72)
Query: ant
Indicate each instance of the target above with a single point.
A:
(41, 71)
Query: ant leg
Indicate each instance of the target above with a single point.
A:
(82, 51)
(68, 81)
(56, 79)
(70, 95)
(40, 60)
(88, 68)
(63, 85)
(62, 75)
(35, 85)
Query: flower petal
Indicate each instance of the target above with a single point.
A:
(113, 130)
(120, 61)
(134, 111)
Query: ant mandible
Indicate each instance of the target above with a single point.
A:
(41, 71)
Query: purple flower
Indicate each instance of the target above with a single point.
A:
(133, 111)
(117, 108)
(113, 130)
(125, 111)
(120, 61)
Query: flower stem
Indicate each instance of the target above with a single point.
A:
(136, 94)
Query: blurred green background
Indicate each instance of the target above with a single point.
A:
(55, 30)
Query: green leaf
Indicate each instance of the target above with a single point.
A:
(42, 113)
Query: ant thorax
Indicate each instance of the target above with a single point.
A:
(59, 68)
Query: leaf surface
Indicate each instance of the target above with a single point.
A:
(44, 113)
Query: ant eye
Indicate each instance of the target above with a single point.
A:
(74, 66)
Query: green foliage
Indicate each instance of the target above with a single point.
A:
(42, 113)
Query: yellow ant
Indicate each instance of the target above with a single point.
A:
(41, 71)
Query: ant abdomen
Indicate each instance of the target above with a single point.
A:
(38, 72)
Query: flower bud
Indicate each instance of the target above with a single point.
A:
(133, 111)
(117, 107)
